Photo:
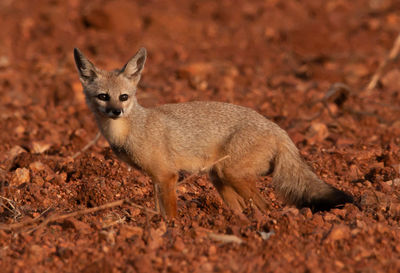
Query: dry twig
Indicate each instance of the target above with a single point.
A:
(11, 207)
(58, 217)
(394, 52)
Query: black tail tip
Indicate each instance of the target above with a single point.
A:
(334, 199)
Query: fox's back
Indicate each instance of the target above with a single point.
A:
(213, 117)
(204, 120)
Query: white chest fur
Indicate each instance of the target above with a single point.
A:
(116, 131)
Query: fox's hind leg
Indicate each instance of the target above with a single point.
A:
(231, 198)
(251, 150)
(237, 193)
(246, 188)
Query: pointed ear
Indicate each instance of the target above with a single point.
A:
(87, 71)
(135, 65)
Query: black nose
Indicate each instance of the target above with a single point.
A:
(116, 112)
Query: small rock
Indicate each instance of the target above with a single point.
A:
(212, 250)
(317, 132)
(179, 245)
(358, 70)
(354, 172)
(102, 265)
(391, 79)
(201, 232)
(384, 187)
(156, 239)
(38, 180)
(375, 200)
(329, 216)
(81, 133)
(37, 166)
(394, 209)
(108, 236)
(3, 235)
(361, 224)
(206, 267)
(368, 199)
(339, 264)
(266, 235)
(339, 212)
(352, 212)
(21, 175)
(63, 252)
(142, 264)
(333, 108)
(318, 220)
(339, 232)
(379, 5)
(39, 147)
(389, 182)
(80, 226)
(36, 253)
(195, 69)
(270, 33)
(368, 184)
(16, 150)
(396, 167)
(306, 212)
(290, 210)
(19, 130)
(4, 61)
(130, 231)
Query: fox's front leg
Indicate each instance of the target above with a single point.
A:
(165, 194)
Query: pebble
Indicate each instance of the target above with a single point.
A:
(179, 244)
(127, 231)
(37, 166)
(39, 147)
(339, 232)
(317, 132)
(20, 176)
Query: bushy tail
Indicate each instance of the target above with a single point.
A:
(299, 185)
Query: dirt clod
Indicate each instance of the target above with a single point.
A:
(339, 232)
(21, 175)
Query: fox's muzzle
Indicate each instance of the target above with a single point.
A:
(114, 112)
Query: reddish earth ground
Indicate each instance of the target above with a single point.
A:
(279, 57)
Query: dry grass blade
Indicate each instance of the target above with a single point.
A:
(11, 207)
(58, 217)
(90, 144)
(147, 210)
(225, 238)
(108, 224)
(394, 52)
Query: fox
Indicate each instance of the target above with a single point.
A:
(165, 140)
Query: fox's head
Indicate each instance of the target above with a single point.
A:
(110, 94)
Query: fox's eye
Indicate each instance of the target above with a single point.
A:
(103, 96)
(123, 97)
